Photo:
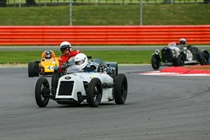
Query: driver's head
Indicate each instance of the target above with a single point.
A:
(65, 47)
(182, 41)
(48, 54)
(81, 61)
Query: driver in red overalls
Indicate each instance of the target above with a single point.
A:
(66, 50)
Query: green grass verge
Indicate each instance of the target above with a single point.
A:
(155, 14)
(120, 56)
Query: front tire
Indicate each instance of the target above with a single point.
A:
(180, 60)
(120, 89)
(155, 61)
(94, 92)
(42, 88)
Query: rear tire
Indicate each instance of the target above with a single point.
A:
(94, 92)
(31, 70)
(120, 89)
(204, 59)
(36, 68)
(42, 88)
(115, 70)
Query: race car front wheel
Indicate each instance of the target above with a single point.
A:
(180, 60)
(120, 89)
(94, 92)
(155, 61)
(42, 89)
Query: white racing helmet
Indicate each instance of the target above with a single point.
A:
(182, 41)
(65, 45)
(81, 61)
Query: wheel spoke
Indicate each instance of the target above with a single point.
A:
(43, 92)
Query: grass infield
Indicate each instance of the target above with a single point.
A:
(90, 15)
(120, 56)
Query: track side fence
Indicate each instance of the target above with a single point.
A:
(103, 35)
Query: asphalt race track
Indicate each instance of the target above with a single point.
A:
(157, 108)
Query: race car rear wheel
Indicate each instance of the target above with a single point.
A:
(204, 59)
(155, 61)
(180, 60)
(54, 81)
(115, 70)
(31, 69)
(120, 89)
(42, 89)
(36, 69)
(94, 92)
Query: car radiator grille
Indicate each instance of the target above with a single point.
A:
(66, 87)
(166, 55)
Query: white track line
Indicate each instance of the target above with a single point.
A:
(158, 73)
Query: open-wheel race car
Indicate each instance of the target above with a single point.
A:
(45, 66)
(91, 82)
(176, 55)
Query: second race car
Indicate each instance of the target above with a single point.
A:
(176, 55)
(44, 66)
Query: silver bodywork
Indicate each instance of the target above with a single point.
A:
(177, 55)
(176, 50)
(78, 79)
(95, 83)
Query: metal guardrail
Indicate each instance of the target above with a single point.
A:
(103, 35)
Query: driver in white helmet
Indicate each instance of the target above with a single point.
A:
(182, 42)
(182, 45)
(81, 61)
(185, 48)
(81, 64)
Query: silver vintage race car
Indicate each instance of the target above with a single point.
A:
(92, 82)
(176, 55)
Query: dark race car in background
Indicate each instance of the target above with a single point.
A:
(176, 55)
